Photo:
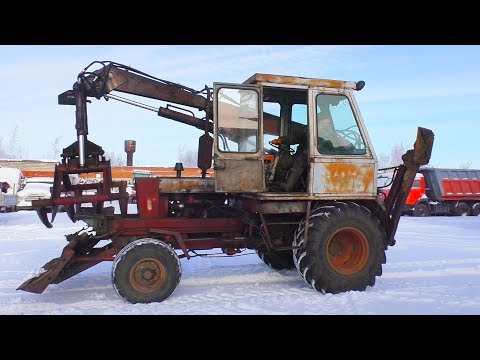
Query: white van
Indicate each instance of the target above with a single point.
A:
(36, 188)
(13, 177)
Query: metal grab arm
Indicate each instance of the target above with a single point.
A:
(403, 181)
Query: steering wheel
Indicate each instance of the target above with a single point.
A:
(353, 135)
(282, 148)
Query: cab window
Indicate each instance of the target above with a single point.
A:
(238, 119)
(337, 129)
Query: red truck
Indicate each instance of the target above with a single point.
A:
(438, 191)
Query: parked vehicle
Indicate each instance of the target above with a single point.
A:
(445, 192)
(11, 180)
(384, 183)
(36, 188)
(439, 191)
(314, 207)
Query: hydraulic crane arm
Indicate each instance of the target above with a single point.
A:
(113, 76)
(110, 76)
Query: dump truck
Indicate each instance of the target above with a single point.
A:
(296, 186)
(445, 191)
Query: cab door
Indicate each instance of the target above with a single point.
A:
(238, 138)
(344, 162)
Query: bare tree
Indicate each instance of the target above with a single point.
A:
(396, 154)
(383, 161)
(395, 157)
(187, 157)
(14, 149)
(115, 160)
(55, 152)
(56, 147)
(466, 165)
(3, 153)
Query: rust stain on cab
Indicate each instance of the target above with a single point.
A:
(348, 178)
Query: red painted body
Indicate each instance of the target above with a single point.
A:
(452, 189)
(443, 192)
(417, 191)
(150, 203)
(461, 189)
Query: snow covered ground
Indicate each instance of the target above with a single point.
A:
(433, 269)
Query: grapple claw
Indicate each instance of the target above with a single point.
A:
(42, 214)
(54, 212)
(70, 210)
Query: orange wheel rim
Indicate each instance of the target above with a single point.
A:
(348, 251)
(147, 275)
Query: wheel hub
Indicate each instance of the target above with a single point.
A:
(147, 275)
(348, 251)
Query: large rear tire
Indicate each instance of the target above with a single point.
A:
(462, 209)
(278, 260)
(145, 271)
(345, 248)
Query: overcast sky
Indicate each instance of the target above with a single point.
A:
(406, 87)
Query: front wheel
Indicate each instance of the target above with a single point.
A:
(421, 210)
(146, 270)
(344, 249)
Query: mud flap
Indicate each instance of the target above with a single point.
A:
(39, 283)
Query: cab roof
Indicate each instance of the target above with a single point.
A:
(295, 80)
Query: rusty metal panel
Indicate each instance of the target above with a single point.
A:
(138, 226)
(344, 177)
(295, 80)
(239, 175)
(147, 197)
(186, 185)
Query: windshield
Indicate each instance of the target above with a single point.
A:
(337, 129)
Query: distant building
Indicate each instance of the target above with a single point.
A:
(31, 168)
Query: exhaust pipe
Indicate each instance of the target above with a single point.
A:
(130, 147)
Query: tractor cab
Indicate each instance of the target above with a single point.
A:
(276, 134)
